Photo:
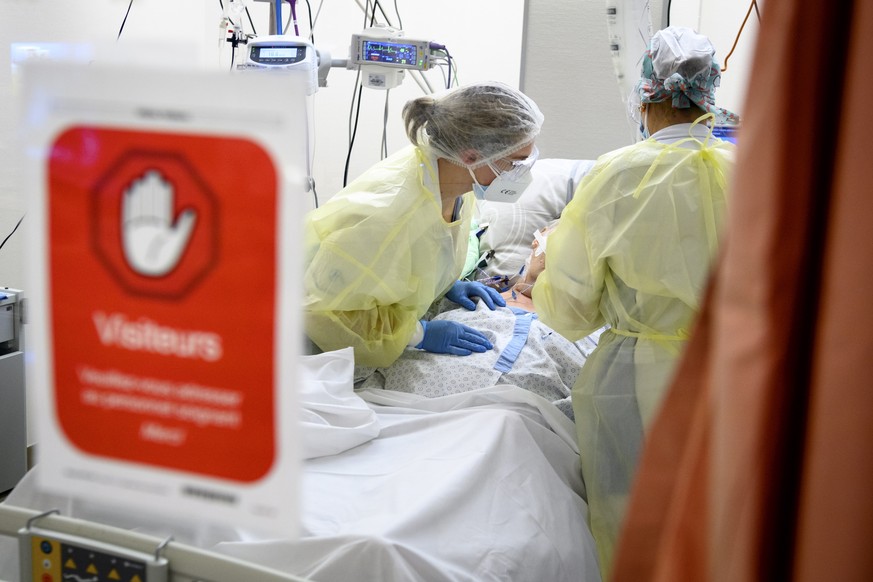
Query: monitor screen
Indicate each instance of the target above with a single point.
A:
(726, 132)
(392, 53)
(285, 52)
(277, 55)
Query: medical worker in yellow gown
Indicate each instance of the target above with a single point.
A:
(632, 250)
(383, 249)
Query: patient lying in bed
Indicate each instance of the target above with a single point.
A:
(526, 353)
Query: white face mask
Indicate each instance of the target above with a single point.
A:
(502, 189)
(509, 185)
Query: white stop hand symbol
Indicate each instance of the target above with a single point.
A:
(153, 242)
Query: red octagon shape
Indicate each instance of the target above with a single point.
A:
(190, 192)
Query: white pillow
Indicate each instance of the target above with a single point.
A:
(506, 243)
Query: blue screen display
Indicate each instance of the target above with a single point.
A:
(390, 53)
(726, 132)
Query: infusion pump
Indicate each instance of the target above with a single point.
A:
(390, 52)
(383, 55)
(283, 53)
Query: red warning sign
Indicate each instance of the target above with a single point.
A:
(162, 277)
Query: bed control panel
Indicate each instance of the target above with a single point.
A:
(46, 556)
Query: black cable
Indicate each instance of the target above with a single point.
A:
(449, 58)
(125, 20)
(254, 32)
(442, 48)
(314, 192)
(352, 106)
(382, 10)
(311, 32)
(13, 231)
(669, 2)
(354, 133)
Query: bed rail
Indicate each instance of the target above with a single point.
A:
(186, 563)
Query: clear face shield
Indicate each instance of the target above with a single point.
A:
(512, 177)
(635, 111)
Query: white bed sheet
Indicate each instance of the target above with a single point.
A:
(477, 486)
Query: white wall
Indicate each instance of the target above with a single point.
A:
(567, 67)
(568, 71)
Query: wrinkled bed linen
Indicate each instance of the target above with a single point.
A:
(334, 418)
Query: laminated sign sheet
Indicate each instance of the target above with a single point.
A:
(165, 305)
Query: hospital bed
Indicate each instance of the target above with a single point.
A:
(481, 484)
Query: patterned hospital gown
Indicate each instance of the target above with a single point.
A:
(526, 353)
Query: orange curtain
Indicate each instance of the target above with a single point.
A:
(760, 465)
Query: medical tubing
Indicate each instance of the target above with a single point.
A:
(420, 84)
(449, 58)
(399, 20)
(365, 9)
(754, 5)
(310, 151)
(384, 152)
(441, 47)
(426, 81)
(294, 16)
(313, 20)
(287, 25)
(277, 7)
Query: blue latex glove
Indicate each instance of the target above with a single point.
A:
(451, 337)
(463, 292)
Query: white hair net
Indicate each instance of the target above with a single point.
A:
(473, 125)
